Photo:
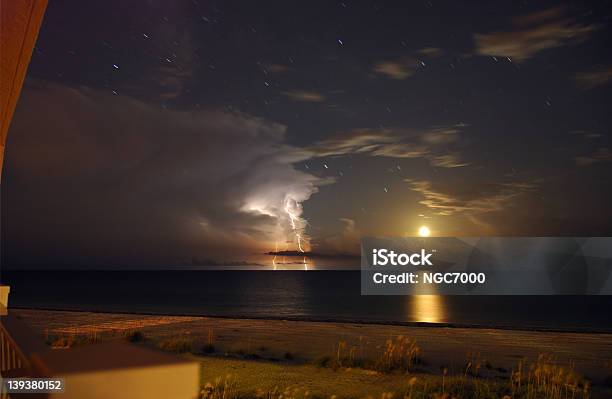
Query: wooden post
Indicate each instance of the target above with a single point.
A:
(19, 24)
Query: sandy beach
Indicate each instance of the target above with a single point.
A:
(240, 343)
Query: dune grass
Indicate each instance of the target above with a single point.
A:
(234, 378)
(399, 354)
(390, 374)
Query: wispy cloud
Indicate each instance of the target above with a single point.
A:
(353, 142)
(433, 145)
(395, 69)
(305, 96)
(400, 150)
(277, 68)
(441, 135)
(431, 52)
(447, 161)
(602, 154)
(587, 134)
(594, 78)
(476, 199)
(532, 34)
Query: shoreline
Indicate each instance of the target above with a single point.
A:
(578, 330)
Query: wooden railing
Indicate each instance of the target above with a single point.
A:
(19, 347)
(13, 362)
(24, 354)
(11, 357)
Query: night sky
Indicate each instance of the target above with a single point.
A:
(164, 133)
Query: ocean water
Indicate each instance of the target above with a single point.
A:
(309, 295)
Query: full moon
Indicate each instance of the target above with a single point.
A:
(424, 231)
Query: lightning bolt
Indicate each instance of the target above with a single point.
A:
(298, 236)
(293, 218)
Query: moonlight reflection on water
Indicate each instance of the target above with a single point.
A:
(427, 308)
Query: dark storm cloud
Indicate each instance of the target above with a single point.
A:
(161, 185)
(149, 181)
(532, 34)
(346, 241)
